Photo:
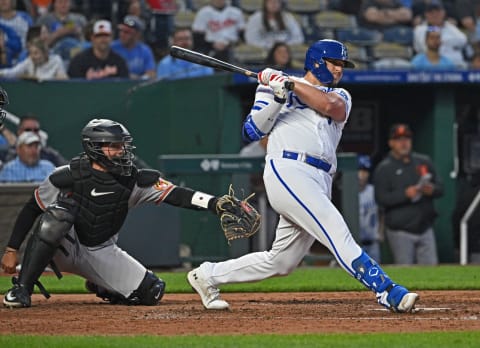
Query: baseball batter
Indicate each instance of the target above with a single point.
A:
(83, 206)
(304, 126)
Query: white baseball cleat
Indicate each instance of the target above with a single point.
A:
(210, 295)
(407, 304)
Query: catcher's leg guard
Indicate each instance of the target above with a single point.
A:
(52, 228)
(150, 291)
(393, 296)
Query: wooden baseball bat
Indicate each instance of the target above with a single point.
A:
(202, 59)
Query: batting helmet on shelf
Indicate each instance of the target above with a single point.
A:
(3, 102)
(100, 132)
(325, 49)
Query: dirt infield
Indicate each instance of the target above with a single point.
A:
(250, 313)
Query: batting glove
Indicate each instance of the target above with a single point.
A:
(268, 74)
(279, 86)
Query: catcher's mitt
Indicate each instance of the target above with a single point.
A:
(237, 218)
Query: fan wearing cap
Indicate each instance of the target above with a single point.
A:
(65, 27)
(133, 50)
(453, 40)
(27, 166)
(432, 59)
(406, 183)
(99, 61)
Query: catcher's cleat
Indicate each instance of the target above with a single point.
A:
(17, 297)
(398, 299)
(210, 295)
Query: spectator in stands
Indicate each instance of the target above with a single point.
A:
(170, 68)
(475, 62)
(40, 64)
(350, 7)
(406, 184)
(162, 22)
(432, 59)
(17, 20)
(453, 41)
(216, 28)
(30, 123)
(272, 24)
(27, 166)
(99, 61)
(368, 215)
(468, 12)
(279, 57)
(34, 32)
(10, 45)
(133, 50)
(382, 14)
(65, 28)
(419, 6)
(39, 7)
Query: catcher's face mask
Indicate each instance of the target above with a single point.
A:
(110, 144)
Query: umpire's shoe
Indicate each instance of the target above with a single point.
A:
(210, 295)
(18, 296)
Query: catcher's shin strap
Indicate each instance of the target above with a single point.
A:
(313, 161)
(42, 289)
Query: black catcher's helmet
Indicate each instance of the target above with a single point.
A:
(3, 102)
(99, 132)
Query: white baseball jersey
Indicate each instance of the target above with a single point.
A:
(219, 25)
(106, 264)
(298, 191)
(301, 129)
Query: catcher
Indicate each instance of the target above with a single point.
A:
(83, 205)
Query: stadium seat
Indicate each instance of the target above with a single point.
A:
(298, 51)
(195, 5)
(359, 36)
(392, 63)
(183, 19)
(305, 6)
(250, 6)
(399, 34)
(249, 55)
(391, 50)
(334, 20)
(357, 53)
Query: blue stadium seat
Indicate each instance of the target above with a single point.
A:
(359, 36)
(399, 34)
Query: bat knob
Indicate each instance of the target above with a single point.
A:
(289, 85)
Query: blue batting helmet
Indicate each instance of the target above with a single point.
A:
(317, 52)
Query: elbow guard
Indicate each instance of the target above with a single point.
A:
(250, 131)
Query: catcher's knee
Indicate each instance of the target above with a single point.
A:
(150, 291)
(56, 221)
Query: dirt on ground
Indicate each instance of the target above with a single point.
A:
(249, 313)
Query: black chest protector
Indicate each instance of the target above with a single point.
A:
(103, 200)
(102, 197)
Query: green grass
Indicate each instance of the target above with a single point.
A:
(445, 277)
(400, 340)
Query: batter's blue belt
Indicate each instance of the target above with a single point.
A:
(313, 161)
